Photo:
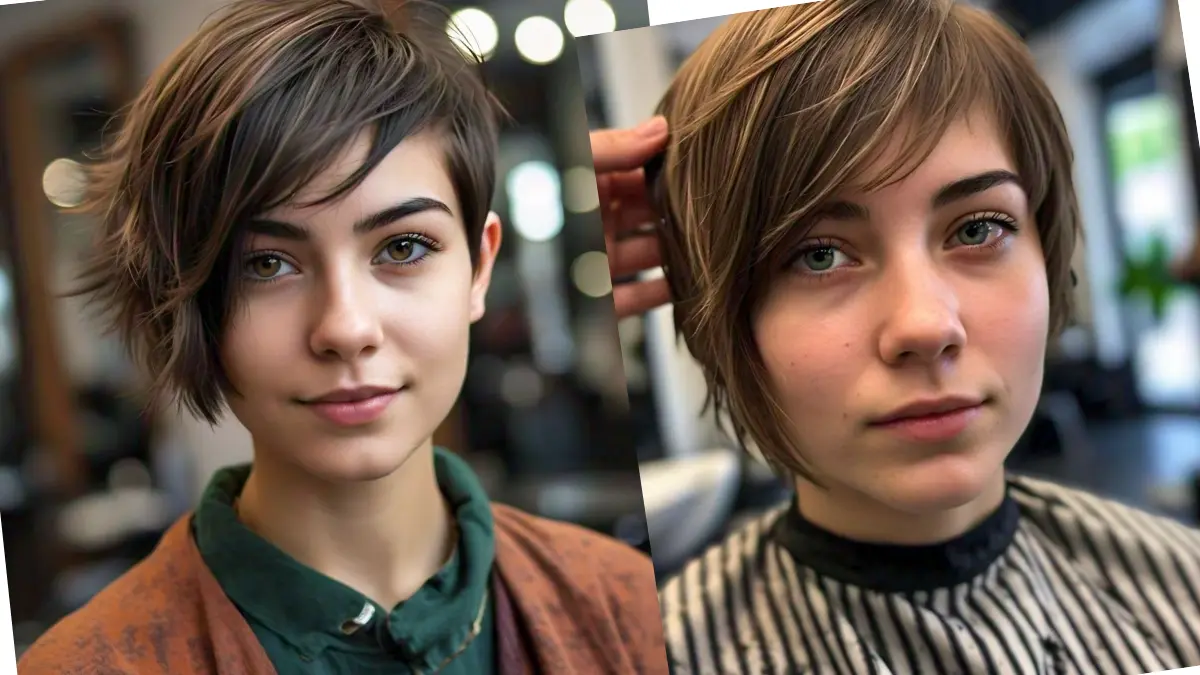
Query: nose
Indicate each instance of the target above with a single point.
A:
(347, 324)
(922, 322)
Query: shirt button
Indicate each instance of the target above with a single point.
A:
(351, 626)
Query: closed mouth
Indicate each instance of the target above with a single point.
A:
(352, 395)
(929, 408)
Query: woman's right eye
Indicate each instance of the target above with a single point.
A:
(820, 259)
(266, 267)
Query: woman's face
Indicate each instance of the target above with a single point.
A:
(350, 344)
(930, 290)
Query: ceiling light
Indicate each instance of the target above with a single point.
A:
(591, 275)
(64, 183)
(474, 32)
(539, 40)
(589, 17)
(535, 200)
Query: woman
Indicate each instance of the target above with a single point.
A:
(868, 219)
(295, 228)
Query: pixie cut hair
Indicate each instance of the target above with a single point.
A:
(237, 122)
(780, 109)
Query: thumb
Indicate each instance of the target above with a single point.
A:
(627, 149)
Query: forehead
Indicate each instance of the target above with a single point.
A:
(971, 144)
(417, 166)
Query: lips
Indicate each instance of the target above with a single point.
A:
(353, 406)
(929, 407)
(932, 421)
(353, 394)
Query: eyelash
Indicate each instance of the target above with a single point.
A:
(429, 243)
(1005, 222)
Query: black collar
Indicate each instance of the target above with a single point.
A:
(893, 568)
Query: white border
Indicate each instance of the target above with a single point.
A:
(660, 12)
(671, 11)
(8, 652)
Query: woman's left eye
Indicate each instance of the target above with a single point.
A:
(981, 232)
(403, 251)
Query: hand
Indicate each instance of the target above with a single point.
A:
(1187, 270)
(618, 155)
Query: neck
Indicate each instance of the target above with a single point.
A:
(384, 538)
(853, 515)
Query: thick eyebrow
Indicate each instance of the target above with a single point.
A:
(953, 192)
(409, 207)
(841, 210)
(966, 187)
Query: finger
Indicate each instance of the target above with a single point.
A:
(633, 255)
(621, 219)
(604, 187)
(626, 149)
(618, 194)
(627, 185)
(640, 297)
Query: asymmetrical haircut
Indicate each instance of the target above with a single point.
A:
(779, 110)
(263, 98)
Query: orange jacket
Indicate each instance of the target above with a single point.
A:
(567, 601)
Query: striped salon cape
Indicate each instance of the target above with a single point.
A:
(1078, 585)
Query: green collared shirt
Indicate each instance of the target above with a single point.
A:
(306, 621)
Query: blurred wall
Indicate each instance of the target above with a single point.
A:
(160, 27)
(1069, 57)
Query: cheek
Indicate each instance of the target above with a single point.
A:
(256, 344)
(431, 321)
(808, 357)
(1009, 327)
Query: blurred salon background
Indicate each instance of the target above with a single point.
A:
(1120, 410)
(88, 482)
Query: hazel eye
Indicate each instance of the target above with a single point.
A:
(403, 251)
(266, 267)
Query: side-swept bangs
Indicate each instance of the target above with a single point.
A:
(781, 109)
(239, 121)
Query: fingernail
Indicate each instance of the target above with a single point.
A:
(654, 126)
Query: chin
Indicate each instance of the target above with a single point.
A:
(358, 460)
(943, 483)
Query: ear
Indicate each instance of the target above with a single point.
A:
(489, 246)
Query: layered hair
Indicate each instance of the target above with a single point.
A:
(779, 110)
(262, 99)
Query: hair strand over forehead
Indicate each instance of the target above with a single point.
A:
(238, 121)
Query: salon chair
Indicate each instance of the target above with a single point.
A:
(688, 501)
(1061, 418)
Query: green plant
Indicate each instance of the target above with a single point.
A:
(1149, 276)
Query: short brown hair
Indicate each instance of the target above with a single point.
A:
(262, 99)
(781, 108)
